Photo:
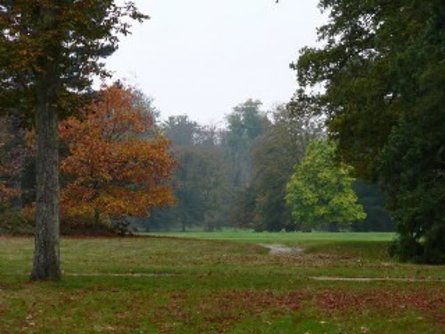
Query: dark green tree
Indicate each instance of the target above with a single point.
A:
(242, 209)
(353, 68)
(201, 180)
(377, 216)
(275, 154)
(412, 173)
(245, 124)
(180, 130)
(381, 69)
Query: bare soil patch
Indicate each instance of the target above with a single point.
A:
(282, 250)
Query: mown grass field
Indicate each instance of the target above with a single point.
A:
(221, 283)
(290, 239)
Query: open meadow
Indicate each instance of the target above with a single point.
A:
(228, 282)
(244, 115)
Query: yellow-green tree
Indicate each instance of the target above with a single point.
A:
(320, 192)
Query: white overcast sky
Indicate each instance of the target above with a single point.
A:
(203, 57)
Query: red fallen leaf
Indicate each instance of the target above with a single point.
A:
(341, 301)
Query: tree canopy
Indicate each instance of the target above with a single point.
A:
(11, 161)
(377, 79)
(274, 154)
(201, 179)
(320, 192)
(49, 51)
(117, 165)
(245, 124)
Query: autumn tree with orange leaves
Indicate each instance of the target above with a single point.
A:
(118, 164)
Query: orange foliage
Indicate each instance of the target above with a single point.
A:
(7, 193)
(117, 165)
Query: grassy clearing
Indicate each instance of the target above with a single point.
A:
(219, 286)
(280, 237)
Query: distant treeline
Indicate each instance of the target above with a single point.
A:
(236, 176)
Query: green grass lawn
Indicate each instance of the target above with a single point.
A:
(220, 283)
(297, 238)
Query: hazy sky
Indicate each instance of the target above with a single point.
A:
(203, 57)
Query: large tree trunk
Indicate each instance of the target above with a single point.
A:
(46, 252)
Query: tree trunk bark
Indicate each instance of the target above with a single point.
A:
(47, 250)
(46, 264)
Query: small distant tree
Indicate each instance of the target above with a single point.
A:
(118, 164)
(320, 190)
(245, 124)
(181, 130)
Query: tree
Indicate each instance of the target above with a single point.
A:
(117, 165)
(320, 191)
(275, 154)
(201, 180)
(49, 51)
(354, 69)
(180, 130)
(246, 123)
(382, 68)
(201, 186)
(412, 165)
(11, 163)
(377, 216)
(242, 213)
(412, 174)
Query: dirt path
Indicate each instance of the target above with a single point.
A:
(373, 279)
(282, 250)
(276, 249)
(118, 274)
